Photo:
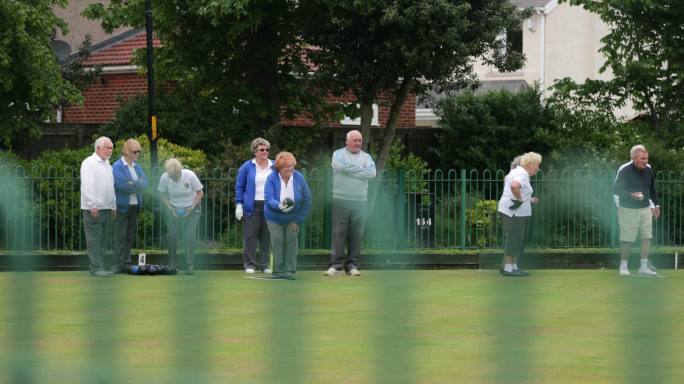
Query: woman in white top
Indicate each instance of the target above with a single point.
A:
(181, 193)
(249, 201)
(515, 210)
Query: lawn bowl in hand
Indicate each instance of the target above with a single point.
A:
(287, 202)
(181, 212)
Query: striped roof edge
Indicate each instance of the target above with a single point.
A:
(531, 3)
(117, 50)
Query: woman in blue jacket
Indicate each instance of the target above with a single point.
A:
(288, 200)
(249, 201)
(129, 183)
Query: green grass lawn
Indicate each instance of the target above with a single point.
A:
(457, 326)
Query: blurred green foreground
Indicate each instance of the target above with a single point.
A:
(383, 327)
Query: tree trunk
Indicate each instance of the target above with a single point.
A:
(366, 112)
(388, 136)
(391, 128)
(263, 76)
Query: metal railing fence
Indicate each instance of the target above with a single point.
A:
(434, 210)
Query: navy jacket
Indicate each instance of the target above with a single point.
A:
(629, 179)
(245, 186)
(124, 185)
(302, 200)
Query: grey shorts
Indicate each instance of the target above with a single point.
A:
(515, 229)
(635, 221)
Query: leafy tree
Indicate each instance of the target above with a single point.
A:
(197, 123)
(644, 51)
(583, 131)
(485, 131)
(186, 118)
(31, 82)
(243, 56)
(390, 48)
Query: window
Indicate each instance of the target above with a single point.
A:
(349, 121)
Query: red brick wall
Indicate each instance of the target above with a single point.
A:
(101, 100)
(407, 117)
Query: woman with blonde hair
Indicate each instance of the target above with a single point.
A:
(515, 210)
(129, 183)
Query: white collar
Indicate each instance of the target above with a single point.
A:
(123, 160)
(270, 162)
(98, 158)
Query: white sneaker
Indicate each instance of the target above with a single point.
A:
(332, 272)
(268, 270)
(249, 270)
(646, 271)
(353, 272)
(651, 266)
(624, 272)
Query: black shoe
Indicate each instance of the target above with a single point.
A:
(288, 276)
(513, 273)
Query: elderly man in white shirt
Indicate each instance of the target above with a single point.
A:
(98, 203)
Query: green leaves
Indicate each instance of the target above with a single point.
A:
(645, 52)
(30, 76)
(242, 55)
(485, 131)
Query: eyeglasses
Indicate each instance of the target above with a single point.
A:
(262, 150)
(137, 152)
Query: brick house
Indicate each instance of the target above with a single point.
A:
(120, 81)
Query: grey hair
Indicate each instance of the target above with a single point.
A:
(100, 142)
(530, 158)
(259, 141)
(635, 149)
(515, 162)
(173, 165)
(349, 134)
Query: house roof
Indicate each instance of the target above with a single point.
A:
(118, 50)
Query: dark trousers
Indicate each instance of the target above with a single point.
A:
(285, 248)
(348, 220)
(96, 230)
(255, 231)
(125, 231)
(187, 229)
(515, 231)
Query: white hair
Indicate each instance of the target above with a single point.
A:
(515, 162)
(635, 149)
(353, 131)
(173, 165)
(101, 141)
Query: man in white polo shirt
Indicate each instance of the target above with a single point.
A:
(98, 203)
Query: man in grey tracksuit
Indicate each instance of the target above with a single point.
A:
(352, 168)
